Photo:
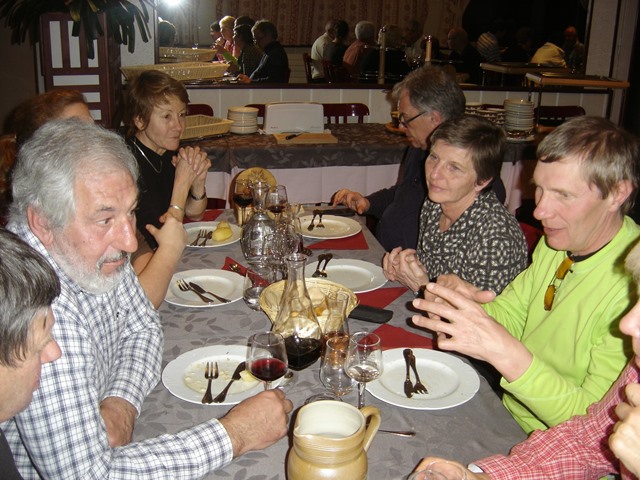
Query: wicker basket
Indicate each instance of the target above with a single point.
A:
(317, 287)
(181, 71)
(199, 126)
(173, 55)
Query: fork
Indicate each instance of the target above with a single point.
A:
(185, 287)
(210, 373)
(318, 273)
(319, 225)
(418, 387)
(207, 236)
(408, 385)
(202, 232)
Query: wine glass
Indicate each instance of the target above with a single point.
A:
(364, 360)
(267, 357)
(332, 369)
(256, 279)
(242, 197)
(277, 200)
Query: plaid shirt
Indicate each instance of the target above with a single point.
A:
(575, 449)
(111, 346)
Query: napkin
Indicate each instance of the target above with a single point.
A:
(396, 337)
(230, 261)
(209, 216)
(354, 242)
(381, 297)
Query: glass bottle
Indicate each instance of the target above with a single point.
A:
(296, 320)
(259, 229)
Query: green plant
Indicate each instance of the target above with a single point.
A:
(23, 17)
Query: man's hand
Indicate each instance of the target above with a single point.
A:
(429, 460)
(471, 331)
(354, 200)
(171, 236)
(625, 441)
(257, 422)
(119, 417)
(466, 289)
(403, 266)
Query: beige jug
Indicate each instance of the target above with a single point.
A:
(330, 441)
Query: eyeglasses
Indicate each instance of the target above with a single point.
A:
(405, 123)
(563, 269)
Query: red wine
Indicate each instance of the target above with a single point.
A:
(268, 369)
(242, 200)
(302, 352)
(276, 208)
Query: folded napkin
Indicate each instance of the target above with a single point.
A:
(354, 242)
(396, 337)
(381, 297)
(242, 270)
(209, 216)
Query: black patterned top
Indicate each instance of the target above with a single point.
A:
(485, 246)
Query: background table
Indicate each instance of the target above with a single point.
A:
(365, 159)
(467, 432)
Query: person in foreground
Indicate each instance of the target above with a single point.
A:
(426, 98)
(604, 441)
(464, 229)
(172, 179)
(28, 286)
(553, 331)
(77, 209)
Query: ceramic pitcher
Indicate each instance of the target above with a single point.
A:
(330, 441)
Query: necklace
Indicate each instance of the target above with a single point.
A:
(157, 170)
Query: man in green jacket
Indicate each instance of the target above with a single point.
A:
(553, 332)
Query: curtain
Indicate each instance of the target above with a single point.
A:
(301, 22)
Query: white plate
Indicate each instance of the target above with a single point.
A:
(450, 381)
(221, 282)
(334, 227)
(357, 275)
(193, 363)
(193, 229)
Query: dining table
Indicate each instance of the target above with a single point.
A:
(477, 428)
(364, 157)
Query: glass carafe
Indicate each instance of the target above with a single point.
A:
(296, 320)
(259, 229)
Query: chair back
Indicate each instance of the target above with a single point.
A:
(260, 107)
(199, 109)
(287, 75)
(554, 115)
(339, 112)
(306, 60)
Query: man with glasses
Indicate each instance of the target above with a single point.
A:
(274, 63)
(553, 332)
(426, 98)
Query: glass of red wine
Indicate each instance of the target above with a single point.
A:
(242, 197)
(267, 357)
(277, 200)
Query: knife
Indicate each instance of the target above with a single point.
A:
(236, 376)
(293, 135)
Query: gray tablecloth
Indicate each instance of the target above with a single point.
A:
(467, 432)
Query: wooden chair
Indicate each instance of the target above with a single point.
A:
(338, 112)
(199, 109)
(306, 60)
(554, 115)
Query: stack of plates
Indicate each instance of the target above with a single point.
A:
(518, 118)
(245, 119)
(471, 108)
(494, 115)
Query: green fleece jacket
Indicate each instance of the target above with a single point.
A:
(578, 350)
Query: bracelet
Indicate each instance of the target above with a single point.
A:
(177, 207)
(201, 197)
